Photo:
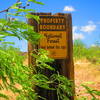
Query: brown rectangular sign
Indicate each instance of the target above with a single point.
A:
(53, 29)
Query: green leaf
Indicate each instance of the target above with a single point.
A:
(7, 43)
(33, 16)
(15, 6)
(1, 39)
(15, 14)
(37, 2)
(25, 10)
(4, 96)
(96, 92)
(6, 34)
(3, 21)
(42, 81)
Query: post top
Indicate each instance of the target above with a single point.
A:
(50, 14)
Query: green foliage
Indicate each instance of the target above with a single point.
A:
(79, 49)
(4, 96)
(42, 59)
(93, 54)
(12, 70)
(18, 29)
(16, 5)
(57, 82)
(42, 81)
(91, 93)
(90, 53)
(64, 87)
(33, 16)
(34, 1)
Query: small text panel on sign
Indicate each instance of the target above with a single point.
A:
(55, 43)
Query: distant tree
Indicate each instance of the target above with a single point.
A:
(79, 49)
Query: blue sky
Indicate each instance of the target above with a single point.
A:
(85, 17)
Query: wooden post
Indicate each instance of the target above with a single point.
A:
(68, 65)
(65, 65)
(32, 47)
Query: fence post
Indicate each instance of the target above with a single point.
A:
(65, 66)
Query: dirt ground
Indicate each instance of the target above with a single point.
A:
(84, 72)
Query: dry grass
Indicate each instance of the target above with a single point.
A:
(86, 72)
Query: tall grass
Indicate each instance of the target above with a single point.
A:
(91, 53)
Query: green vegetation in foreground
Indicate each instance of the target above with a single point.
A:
(12, 70)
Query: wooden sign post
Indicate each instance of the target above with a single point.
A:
(57, 39)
